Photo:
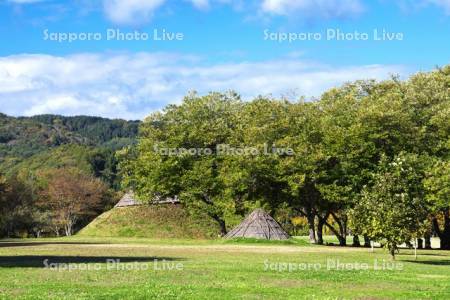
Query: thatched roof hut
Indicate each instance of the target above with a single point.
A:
(260, 225)
(129, 200)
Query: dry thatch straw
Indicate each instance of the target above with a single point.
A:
(129, 200)
(260, 225)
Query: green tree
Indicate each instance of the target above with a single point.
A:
(255, 177)
(299, 171)
(392, 209)
(154, 170)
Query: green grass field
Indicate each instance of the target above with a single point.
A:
(193, 269)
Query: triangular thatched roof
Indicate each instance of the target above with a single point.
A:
(127, 200)
(260, 225)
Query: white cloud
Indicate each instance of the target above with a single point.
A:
(445, 4)
(131, 11)
(414, 6)
(133, 85)
(25, 1)
(313, 8)
(200, 4)
(136, 12)
(141, 11)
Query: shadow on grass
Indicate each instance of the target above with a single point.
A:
(419, 253)
(31, 244)
(264, 241)
(40, 261)
(430, 262)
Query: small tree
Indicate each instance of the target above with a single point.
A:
(41, 221)
(71, 195)
(393, 210)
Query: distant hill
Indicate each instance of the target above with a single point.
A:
(95, 129)
(24, 141)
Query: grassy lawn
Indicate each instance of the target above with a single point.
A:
(188, 269)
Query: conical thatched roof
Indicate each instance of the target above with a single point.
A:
(260, 225)
(127, 200)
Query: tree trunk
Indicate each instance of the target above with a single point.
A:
(312, 232)
(427, 241)
(342, 234)
(356, 242)
(445, 239)
(393, 248)
(419, 243)
(68, 227)
(221, 222)
(223, 227)
(320, 225)
(392, 252)
(445, 242)
(342, 239)
(366, 241)
(56, 231)
(68, 230)
(444, 235)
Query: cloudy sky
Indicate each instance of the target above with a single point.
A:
(115, 65)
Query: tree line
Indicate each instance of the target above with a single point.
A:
(371, 159)
(24, 137)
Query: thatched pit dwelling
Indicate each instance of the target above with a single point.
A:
(129, 200)
(259, 225)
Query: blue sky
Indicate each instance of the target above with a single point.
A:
(224, 47)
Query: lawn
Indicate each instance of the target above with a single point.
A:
(188, 269)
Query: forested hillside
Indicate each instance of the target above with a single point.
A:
(23, 137)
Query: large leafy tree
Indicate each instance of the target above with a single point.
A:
(262, 125)
(340, 164)
(198, 178)
(305, 136)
